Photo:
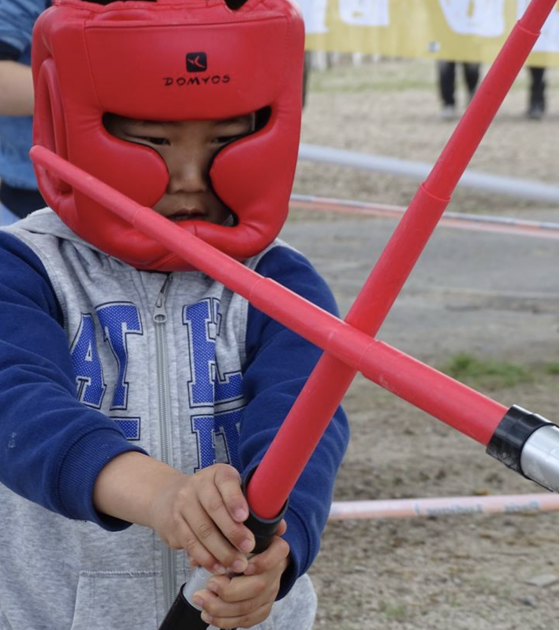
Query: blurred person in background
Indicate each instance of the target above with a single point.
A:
(306, 71)
(18, 188)
(537, 103)
(446, 84)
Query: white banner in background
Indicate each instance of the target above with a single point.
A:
(365, 12)
(484, 18)
(314, 15)
(461, 30)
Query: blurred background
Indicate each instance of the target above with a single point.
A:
(481, 305)
(389, 80)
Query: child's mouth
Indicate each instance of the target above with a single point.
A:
(185, 215)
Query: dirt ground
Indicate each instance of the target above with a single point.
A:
(492, 296)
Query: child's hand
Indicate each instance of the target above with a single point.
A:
(246, 600)
(203, 514)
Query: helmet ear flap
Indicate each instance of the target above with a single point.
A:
(49, 131)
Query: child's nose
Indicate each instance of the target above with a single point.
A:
(189, 176)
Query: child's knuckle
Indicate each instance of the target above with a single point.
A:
(229, 558)
(215, 505)
(283, 547)
(225, 472)
(222, 470)
(234, 534)
(190, 544)
(204, 531)
(263, 613)
(246, 609)
(260, 585)
(212, 606)
(246, 622)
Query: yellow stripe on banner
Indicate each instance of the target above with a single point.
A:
(459, 30)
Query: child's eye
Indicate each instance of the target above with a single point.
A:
(150, 140)
(226, 139)
(156, 141)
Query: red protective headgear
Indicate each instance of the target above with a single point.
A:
(132, 59)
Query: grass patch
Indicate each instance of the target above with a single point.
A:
(494, 374)
(551, 368)
(395, 610)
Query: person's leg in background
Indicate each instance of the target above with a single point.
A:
(306, 71)
(536, 93)
(471, 72)
(446, 83)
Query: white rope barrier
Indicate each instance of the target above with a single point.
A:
(476, 222)
(512, 187)
(458, 506)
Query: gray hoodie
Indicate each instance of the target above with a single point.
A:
(124, 328)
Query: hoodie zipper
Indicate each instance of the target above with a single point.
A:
(169, 568)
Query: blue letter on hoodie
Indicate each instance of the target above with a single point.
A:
(87, 366)
(207, 385)
(217, 431)
(118, 320)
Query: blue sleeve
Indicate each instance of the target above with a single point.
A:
(279, 362)
(52, 447)
(17, 18)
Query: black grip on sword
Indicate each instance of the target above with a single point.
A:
(183, 616)
(264, 529)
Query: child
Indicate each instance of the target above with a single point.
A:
(133, 389)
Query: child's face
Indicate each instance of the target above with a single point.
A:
(187, 149)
